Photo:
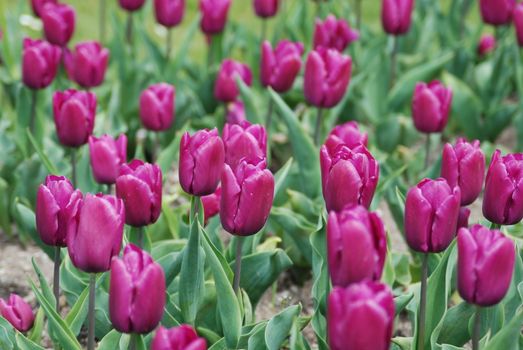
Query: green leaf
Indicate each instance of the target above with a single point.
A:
(279, 327)
(507, 337)
(114, 340)
(43, 157)
(401, 301)
(35, 334)
(26, 221)
(320, 287)
(186, 41)
(281, 176)
(78, 313)
(247, 97)
(46, 290)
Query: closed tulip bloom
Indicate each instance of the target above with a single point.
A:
(244, 141)
(327, 76)
(17, 312)
(247, 194)
(235, 113)
(140, 186)
(211, 204)
(348, 134)
(74, 114)
(183, 337)
(279, 67)
(136, 292)
(464, 165)
(59, 22)
(503, 198)
(334, 34)
(87, 64)
(55, 200)
(131, 5)
(201, 162)
(431, 106)
(463, 218)
(431, 215)
(396, 16)
(157, 107)
(225, 88)
(487, 43)
(485, 265)
(214, 15)
(517, 16)
(96, 233)
(169, 13)
(40, 61)
(496, 12)
(360, 316)
(266, 8)
(107, 156)
(38, 6)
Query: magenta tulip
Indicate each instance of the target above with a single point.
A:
(59, 23)
(496, 12)
(87, 64)
(333, 34)
(266, 8)
(348, 134)
(431, 106)
(225, 87)
(131, 5)
(107, 156)
(518, 22)
(17, 312)
(183, 337)
(157, 107)
(38, 6)
(169, 13)
(396, 16)
(487, 43)
(235, 113)
(463, 218)
(214, 15)
(280, 67)
(244, 141)
(40, 61)
(211, 204)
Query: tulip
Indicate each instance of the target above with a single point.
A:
(107, 155)
(280, 67)
(38, 6)
(396, 16)
(183, 337)
(487, 43)
(496, 12)
(431, 106)
(244, 141)
(201, 162)
(360, 316)
(463, 218)
(348, 134)
(333, 34)
(503, 200)
(266, 8)
(59, 22)
(131, 5)
(485, 265)
(464, 165)
(87, 64)
(139, 185)
(235, 112)
(157, 107)
(40, 61)
(55, 200)
(17, 312)
(96, 232)
(74, 114)
(213, 15)
(211, 204)
(518, 22)
(356, 244)
(225, 88)
(349, 176)
(169, 13)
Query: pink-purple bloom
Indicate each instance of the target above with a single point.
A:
(40, 61)
(396, 16)
(17, 312)
(280, 67)
(87, 64)
(214, 15)
(157, 106)
(225, 86)
(107, 156)
(496, 12)
(431, 105)
(334, 33)
(244, 141)
(169, 13)
(59, 23)
(183, 337)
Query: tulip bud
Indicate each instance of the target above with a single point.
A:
(464, 165)
(96, 233)
(38, 6)
(235, 112)
(396, 16)
(244, 141)
(59, 22)
(334, 34)
(487, 43)
(502, 201)
(225, 88)
(327, 76)
(55, 200)
(485, 265)
(74, 114)
(107, 155)
(211, 204)
(431, 215)
(87, 64)
(139, 185)
(247, 194)
(348, 134)
(360, 316)
(518, 22)
(431, 106)
(279, 68)
(17, 312)
(213, 15)
(463, 218)
(169, 13)
(136, 292)
(266, 8)
(183, 337)
(131, 5)
(496, 12)
(40, 61)
(349, 176)
(157, 107)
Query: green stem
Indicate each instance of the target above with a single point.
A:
(393, 59)
(476, 332)
(32, 116)
(168, 44)
(238, 264)
(263, 30)
(317, 129)
(427, 151)
(73, 166)
(268, 118)
(129, 30)
(358, 14)
(56, 278)
(157, 146)
(102, 20)
(494, 226)
(139, 238)
(423, 302)
(90, 315)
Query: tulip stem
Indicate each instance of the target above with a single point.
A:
(317, 129)
(139, 236)
(73, 165)
(56, 278)
(476, 331)
(268, 119)
(168, 44)
(423, 302)
(358, 14)
(129, 30)
(393, 58)
(90, 315)
(494, 226)
(102, 21)
(263, 30)
(238, 264)
(427, 151)
(32, 120)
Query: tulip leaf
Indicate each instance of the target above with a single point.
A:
(25, 343)
(281, 176)
(279, 327)
(247, 97)
(401, 301)
(7, 334)
(320, 287)
(46, 290)
(223, 262)
(43, 157)
(508, 336)
(35, 334)
(181, 56)
(78, 313)
(114, 341)
(26, 221)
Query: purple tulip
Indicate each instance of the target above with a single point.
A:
(107, 155)
(485, 265)
(431, 215)
(96, 232)
(201, 162)
(244, 141)
(431, 106)
(87, 64)
(279, 67)
(266, 8)
(17, 312)
(183, 337)
(348, 134)
(247, 194)
(40, 61)
(131, 5)
(235, 113)
(503, 198)
(169, 13)
(136, 292)
(225, 88)
(327, 77)
(487, 43)
(55, 200)
(497, 12)
(463, 218)
(396, 16)
(59, 22)
(334, 34)
(38, 6)
(517, 16)
(157, 107)
(360, 316)
(214, 15)
(211, 204)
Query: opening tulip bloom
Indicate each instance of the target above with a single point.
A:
(59, 23)
(360, 317)
(131, 5)
(334, 34)
(327, 77)
(40, 61)
(157, 107)
(396, 16)
(431, 105)
(87, 64)
(136, 292)
(503, 198)
(38, 6)
(487, 43)
(183, 337)
(518, 22)
(496, 12)
(201, 162)
(347, 133)
(356, 245)
(279, 67)
(266, 8)
(169, 13)
(139, 185)
(107, 155)
(55, 201)
(213, 15)
(225, 88)
(485, 265)
(74, 113)
(244, 141)
(235, 113)
(17, 312)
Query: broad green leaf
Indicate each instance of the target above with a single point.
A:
(114, 341)
(279, 327)
(248, 99)
(507, 337)
(35, 334)
(454, 330)
(43, 157)
(25, 218)
(320, 287)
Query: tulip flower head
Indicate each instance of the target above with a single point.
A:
(396, 16)
(59, 23)
(334, 34)
(431, 105)
(487, 43)
(183, 337)
(225, 87)
(244, 140)
(214, 15)
(107, 156)
(517, 16)
(157, 107)
(87, 64)
(38, 6)
(211, 204)
(280, 67)
(169, 13)
(496, 12)
(235, 112)
(17, 312)
(266, 8)
(40, 61)
(463, 218)
(131, 5)
(348, 134)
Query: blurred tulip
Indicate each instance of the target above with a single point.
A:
(487, 43)
(87, 64)
(211, 204)
(431, 106)
(96, 233)
(485, 265)
(157, 106)
(38, 6)
(201, 162)
(333, 34)
(431, 215)
(463, 218)
(225, 88)
(183, 337)
(40, 61)
(247, 194)
(59, 23)
(244, 141)
(169, 13)
(235, 112)
(396, 16)
(131, 5)
(496, 12)
(136, 292)
(279, 67)
(503, 198)
(55, 201)
(348, 134)
(17, 312)
(360, 316)
(517, 16)
(107, 155)
(266, 8)
(214, 15)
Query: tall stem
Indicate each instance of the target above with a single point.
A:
(157, 146)
(32, 120)
(238, 264)
(129, 30)
(358, 14)
(90, 315)
(109, 189)
(268, 119)
(393, 58)
(317, 129)
(139, 238)
(102, 20)
(476, 332)
(494, 226)
(263, 33)
(168, 44)
(56, 278)
(73, 166)
(423, 302)
(427, 151)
